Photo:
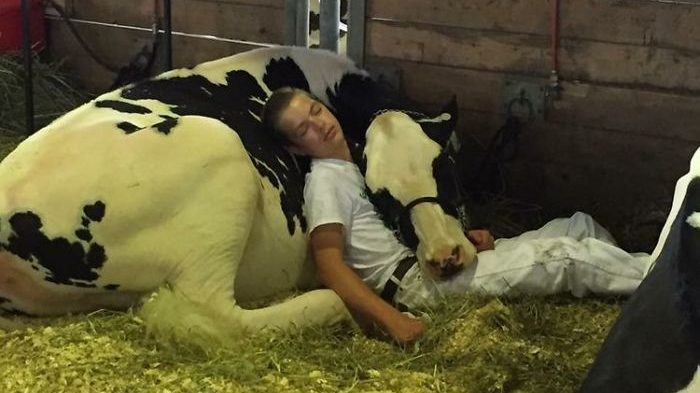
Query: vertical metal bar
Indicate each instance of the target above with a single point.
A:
(356, 31)
(290, 31)
(302, 23)
(168, 30)
(330, 24)
(28, 86)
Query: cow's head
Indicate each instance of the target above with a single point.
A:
(409, 173)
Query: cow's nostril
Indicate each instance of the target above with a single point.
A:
(450, 270)
(455, 252)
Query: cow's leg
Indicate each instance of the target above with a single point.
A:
(215, 222)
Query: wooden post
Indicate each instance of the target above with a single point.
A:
(356, 31)
(330, 24)
(28, 76)
(302, 23)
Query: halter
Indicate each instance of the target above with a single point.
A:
(418, 201)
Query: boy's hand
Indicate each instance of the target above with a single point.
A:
(482, 239)
(406, 330)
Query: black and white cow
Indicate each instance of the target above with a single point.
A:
(654, 346)
(171, 187)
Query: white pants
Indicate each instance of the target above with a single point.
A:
(574, 255)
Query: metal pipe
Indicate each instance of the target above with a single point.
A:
(356, 31)
(554, 35)
(330, 24)
(27, 53)
(302, 23)
(168, 28)
(290, 30)
(554, 86)
(175, 33)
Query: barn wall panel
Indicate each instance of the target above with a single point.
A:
(632, 22)
(116, 47)
(661, 114)
(251, 21)
(628, 117)
(528, 54)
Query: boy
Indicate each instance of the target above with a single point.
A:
(356, 254)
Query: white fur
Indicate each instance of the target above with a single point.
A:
(399, 159)
(679, 195)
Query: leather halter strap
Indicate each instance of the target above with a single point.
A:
(418, 201)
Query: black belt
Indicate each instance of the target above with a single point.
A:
(391, 286)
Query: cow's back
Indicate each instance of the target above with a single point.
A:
(91, 209)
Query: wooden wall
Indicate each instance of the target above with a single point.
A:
(629, 115)
(623, 130)
(254, 21)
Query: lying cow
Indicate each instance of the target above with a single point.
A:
(654, 346)
(171, 187)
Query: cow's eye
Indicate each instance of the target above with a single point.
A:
(316, 110)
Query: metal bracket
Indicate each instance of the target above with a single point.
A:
(524, 98)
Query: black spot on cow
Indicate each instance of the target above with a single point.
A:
(84, 221)
(284, 72)
(83, 234)
(65, 262)
(654, 345)
(121, 106)
(96, 255)
(166, 125)
(237, 103)
(314, 21)
(111, 287)
(356, 99)
(95, 212)
(127, 127)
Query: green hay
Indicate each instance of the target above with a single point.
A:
(53, 94)
(474, 344)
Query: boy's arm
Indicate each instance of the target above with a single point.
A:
(327, 244)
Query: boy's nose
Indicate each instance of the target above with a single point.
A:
(319, 125)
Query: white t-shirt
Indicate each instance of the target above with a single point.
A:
(335, 193)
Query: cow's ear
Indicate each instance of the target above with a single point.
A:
(441, 127)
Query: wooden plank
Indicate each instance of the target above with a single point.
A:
(616, 199)
(626, 110)
(116, 47)
(228, 20)
(529, 55)
(125, 12)
(249, 21)
(621, 21)
(556, 144)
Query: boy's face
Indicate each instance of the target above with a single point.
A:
(312, 129)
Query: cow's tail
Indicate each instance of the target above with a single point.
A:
(209, 323)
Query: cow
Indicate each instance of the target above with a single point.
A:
(315, 25)
(654, 346)
(170, 190)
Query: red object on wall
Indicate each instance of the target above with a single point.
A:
(11, 25)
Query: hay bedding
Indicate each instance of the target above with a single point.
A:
(473, 345)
